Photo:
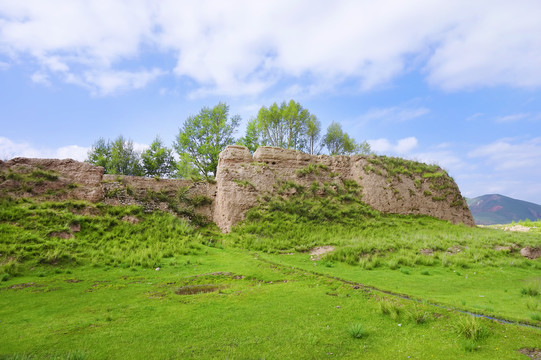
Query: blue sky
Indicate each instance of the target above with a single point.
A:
(457, 83)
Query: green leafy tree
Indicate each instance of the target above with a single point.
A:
(252, 139)
(124, 159)
(283, 126)
(117, 157)
(338, 142)
(204, 136)
(100, 153)
(364, 148)
(158, 160)
(185, 168)
(313, 135)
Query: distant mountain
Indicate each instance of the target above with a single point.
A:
(499, 209)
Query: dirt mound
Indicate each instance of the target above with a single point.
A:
(317, 252)
(530, 252)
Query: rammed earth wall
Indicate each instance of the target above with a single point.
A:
(409, 188)
(388, 185)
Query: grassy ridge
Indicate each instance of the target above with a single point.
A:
(334, 214)
(74, 233)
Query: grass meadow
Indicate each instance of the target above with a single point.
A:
(92, 281)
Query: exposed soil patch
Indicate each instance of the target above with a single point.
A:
(131, 219)
(198, 289)
(73, 281)
(317, 252)
(517, 227)
(156, 295)
(86, 211)
(530, 252)
(534, 354)
(455, 249)
(428, 252)
(61, 235)
(22, 286)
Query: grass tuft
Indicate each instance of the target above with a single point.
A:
(357, 331)
(532, 288)
(471, 328)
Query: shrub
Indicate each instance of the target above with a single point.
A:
(311, 169)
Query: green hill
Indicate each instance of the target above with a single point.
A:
(498, 209)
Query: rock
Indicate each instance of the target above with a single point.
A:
(530, 252)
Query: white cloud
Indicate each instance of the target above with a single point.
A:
(509, 155)
(402, 146)
(40, 78)
(111, 82)
(511, 118)
(10, 149)
(140, 147)
(74, 152)
(446, 159)
(406, 145)
(518, 117)
(241, 48)
(490, 44)
(475, 116)
(393, 114)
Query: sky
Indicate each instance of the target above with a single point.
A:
(455, 83)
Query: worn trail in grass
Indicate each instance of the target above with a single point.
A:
(488, 291)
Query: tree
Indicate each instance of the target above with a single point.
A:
(338, 142)
(117, 157)
(124, 159)
(252, 139)
(99, 153)
(158, 160)
(185, 168)
(283, 126)
(204, 136)
(313, 130)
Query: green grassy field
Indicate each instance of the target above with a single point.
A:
(80, 281)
